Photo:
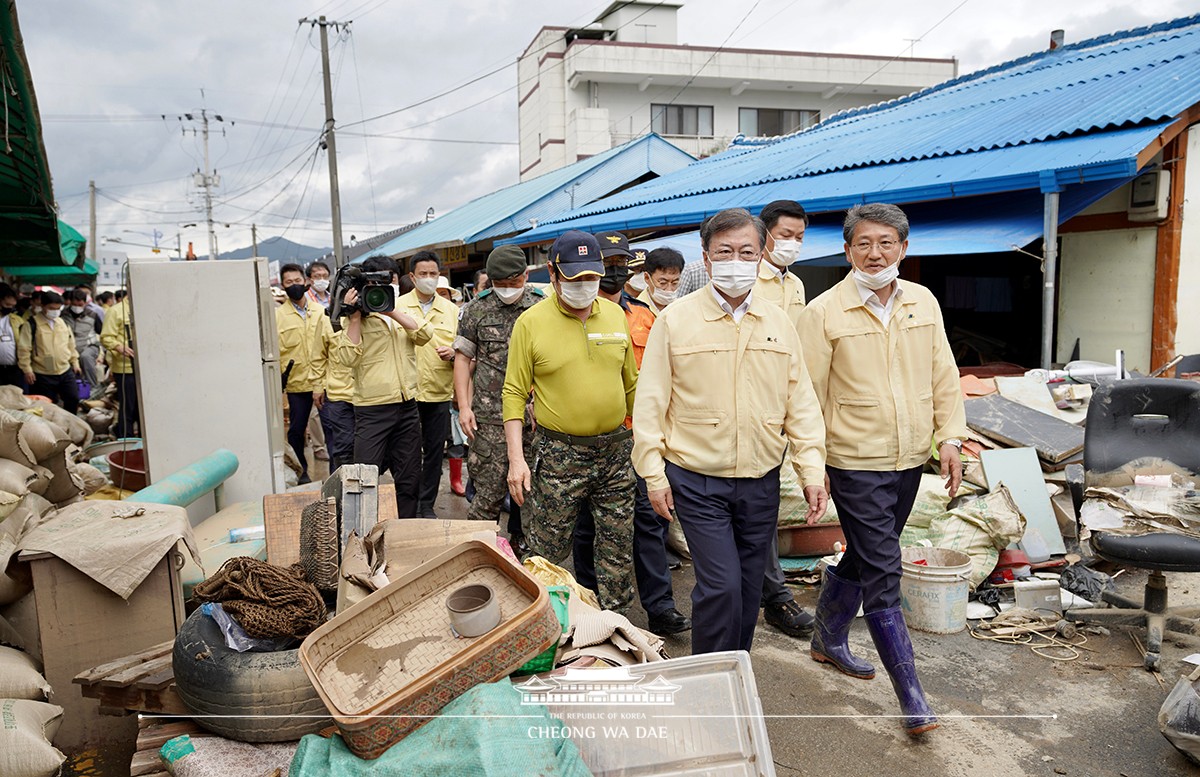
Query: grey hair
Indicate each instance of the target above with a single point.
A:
(879, 213)
(733, 218)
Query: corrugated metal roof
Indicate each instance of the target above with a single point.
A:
(1107, 156)
(510, 209)
(1137, 78)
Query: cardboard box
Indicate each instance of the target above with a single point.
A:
(397, 546)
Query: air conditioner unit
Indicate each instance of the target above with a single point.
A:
(1149, 196)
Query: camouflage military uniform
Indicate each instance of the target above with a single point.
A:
(483, 334)
(563, 476)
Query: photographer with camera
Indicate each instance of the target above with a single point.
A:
(380, 348)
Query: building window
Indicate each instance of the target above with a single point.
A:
(774, 121)
(695, 120)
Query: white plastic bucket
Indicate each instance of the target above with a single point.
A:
(933, 595)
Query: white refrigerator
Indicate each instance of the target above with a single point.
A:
(208, 372)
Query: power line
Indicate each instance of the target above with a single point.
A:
(366, 141)
(913, 41)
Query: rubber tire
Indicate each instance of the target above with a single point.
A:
(213, 679)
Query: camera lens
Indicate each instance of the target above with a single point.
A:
(377, 298)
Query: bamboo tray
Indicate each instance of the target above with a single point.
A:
(391, 662)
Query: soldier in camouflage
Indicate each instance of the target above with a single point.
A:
(481, 356)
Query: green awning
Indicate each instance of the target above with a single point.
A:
(55, 275)
(29, 230)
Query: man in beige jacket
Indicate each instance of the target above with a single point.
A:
(723, 389)
(882, 369)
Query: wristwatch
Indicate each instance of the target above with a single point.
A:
(957, 443)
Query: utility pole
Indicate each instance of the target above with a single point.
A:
(92, 216)
(208, 183)
(254, 237)
(335, 202)
(206, 179)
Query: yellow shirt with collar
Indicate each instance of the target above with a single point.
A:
(887, 392)
(50, 350)
(384, 363)
(303, 339)
(786, 290)
(724, 399)
(435, 378)
(583, 374)
(339, 379)
(114, 333)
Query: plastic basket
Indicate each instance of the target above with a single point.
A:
(390, 662)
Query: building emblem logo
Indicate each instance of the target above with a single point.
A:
(595, 687)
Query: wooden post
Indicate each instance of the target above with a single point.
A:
(1166, 262)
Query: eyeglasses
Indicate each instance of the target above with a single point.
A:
(884, 246)
(725, 254)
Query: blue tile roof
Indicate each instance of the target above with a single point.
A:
(1078, 112)
(510, 209)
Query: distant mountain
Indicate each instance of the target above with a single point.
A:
(278, 248)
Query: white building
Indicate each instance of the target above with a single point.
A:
(586, 90)
(112, 263)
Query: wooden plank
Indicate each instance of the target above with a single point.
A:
(1032, 392)
(156, 682)
(1023, 427)
(145, 763)
(134, 673)
(104, 670)
(155, 735)
(1018, 469)
(165, 701)
(1165, 321)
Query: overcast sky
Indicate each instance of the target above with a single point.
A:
(105, 72)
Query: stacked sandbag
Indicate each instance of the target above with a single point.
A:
(43, 443)
(27, 723)
(25, 749)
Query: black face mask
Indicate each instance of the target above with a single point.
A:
(296, 292)
(4, 311)
(614, 279)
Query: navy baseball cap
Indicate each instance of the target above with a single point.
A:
(575, 254)
(637, 258)
(613, 244)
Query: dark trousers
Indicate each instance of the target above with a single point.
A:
(127, 399)
(649, 554)
(775, 590)
(11, 375)
(300, 406)
(728, 523)
(873, 508)
(389, 436)
(337, 418)
(56, 387)
(435, 430)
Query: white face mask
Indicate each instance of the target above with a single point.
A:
(321, 284)
(879, 280)
(37, 309)
(579, 294)
(663, 298)
(734, 277)
(426, 286)
(53, 314)
(508, 295)
(785, 252)
(77, 309)
(638, 282)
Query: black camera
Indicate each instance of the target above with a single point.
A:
(375, 293)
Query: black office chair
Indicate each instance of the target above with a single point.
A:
(1188, 364)
(1135, 427)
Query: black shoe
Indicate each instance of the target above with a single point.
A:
(670, 622)
(303, 479)
(521, 547)
(790, 618)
